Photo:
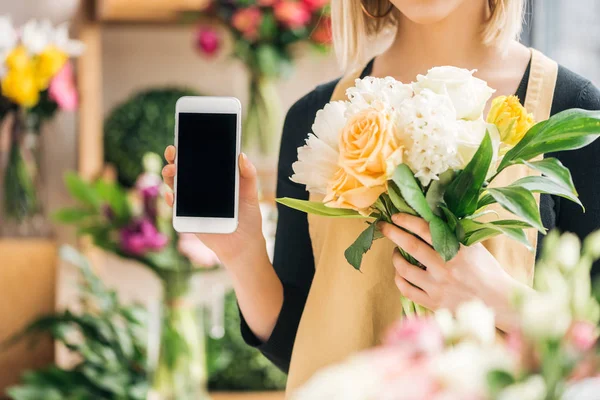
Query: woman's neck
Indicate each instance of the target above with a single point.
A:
(454, 40)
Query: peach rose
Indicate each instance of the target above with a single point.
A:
(369, 152)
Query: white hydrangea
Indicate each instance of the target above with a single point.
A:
(318, 158)
(429, 127)
(534, 388)
(371, 90)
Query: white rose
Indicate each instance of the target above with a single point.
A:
(470, 134)
(476, 321)
(534, 388)
(469, 94)
(37, 35)
(545, 315)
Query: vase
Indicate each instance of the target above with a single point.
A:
(22, 210)
(261, 124)
(180, 372)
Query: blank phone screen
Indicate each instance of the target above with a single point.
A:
(206, 155)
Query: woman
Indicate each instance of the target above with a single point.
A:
(347, 311)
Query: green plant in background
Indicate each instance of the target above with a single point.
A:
(144, 123)
(107, 337)
(236, 366)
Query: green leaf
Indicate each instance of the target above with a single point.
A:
(542, 184)
(116, 198)
(474, 232)
(354, 254)
(498, 380)
(567, 130)
(555, 170)
(451, 219)
(462, 194)
(82, 191)
(318, 208)
(443, 239)
(411, 191)
(398, 201)
(520, 202)
(436, 191)
(72, 215)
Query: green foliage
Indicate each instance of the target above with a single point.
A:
(318, 208)
(144, 123)
(354, 254)
(107, 337)
(236, 366)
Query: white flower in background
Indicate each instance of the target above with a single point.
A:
(476, 321)
(8, 39)
(428, 125)
(318, 159)
(446, 322)
(568, 251)
(534, 388)
(370, 90)
(586, 389)
(61, 40)
(545, 315)
(36, 35)
(354, 380)
(469, 94)
(470, 135)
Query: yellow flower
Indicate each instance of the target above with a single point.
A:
(19, 85)
(511, 118)
(48, 63)
(369, 152)
(18, 58)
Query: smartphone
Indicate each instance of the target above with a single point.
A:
(207, 138)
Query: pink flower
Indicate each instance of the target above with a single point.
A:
(421, 335)
(141, 237)
(62, 88)
(322, 32)
(196, 251)
(292, 14)
(515, 342)
(582, 336)
(207, 40)
(247, 21)
(266, 3)
(314, 5)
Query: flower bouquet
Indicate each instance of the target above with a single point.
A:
(36, 79)
(553, 355)
(425, 149)
(263, 33)
(137, 225)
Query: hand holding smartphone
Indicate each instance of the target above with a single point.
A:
(207, 138)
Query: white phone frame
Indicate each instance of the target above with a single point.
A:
(208, 105)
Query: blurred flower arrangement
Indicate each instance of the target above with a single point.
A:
(36, 79)
(553, 355)
(136, 224)
(264, 32)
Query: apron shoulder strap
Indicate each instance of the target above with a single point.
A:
(541, 85)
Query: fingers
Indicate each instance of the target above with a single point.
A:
(411, 273)
(170, 152)
(168, 174)
(169, 198)
(412, 293)
(414, 246)
(414, 224)
(248, 181)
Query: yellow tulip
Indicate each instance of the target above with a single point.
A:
(19, 85)
(511, 118)
(18, 58)
(48, 63)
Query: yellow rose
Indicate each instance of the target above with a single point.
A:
(18, 58)
(19, 86)
(511, 118)
(369, 152)
(48, 63)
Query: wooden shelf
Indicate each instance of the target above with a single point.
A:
(145, 10)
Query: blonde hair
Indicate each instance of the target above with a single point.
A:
(353, 31)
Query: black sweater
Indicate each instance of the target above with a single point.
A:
(293, 260)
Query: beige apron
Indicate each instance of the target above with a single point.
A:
(348, 311)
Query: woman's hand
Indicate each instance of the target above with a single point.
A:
(247, 242)
(258, 289)
(472, 274)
